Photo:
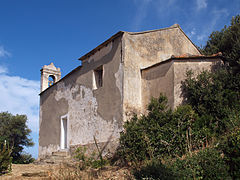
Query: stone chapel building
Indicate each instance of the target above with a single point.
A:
(115, 80)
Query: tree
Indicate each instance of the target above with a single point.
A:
(14, 131)
(226, 41)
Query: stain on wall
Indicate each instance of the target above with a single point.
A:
(142, 50)
(90, 112)
(135, 67)
(180, 69)
(156, 80)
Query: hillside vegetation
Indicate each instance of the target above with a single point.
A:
(197, 140)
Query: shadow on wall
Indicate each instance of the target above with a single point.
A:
(215, 67)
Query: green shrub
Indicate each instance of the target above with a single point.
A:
(162, 132)
(91, 160)
(230, 146)
(184, 138)
(5, 158)
(143, 136)
(154, 169)
(215, 96)
(25, 158)
(206, 164)
(133, 147)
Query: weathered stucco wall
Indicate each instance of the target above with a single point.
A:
(134, 70)
(168, 77)
(155, 80)
(90, 112)
(144, 49)
(196, 66)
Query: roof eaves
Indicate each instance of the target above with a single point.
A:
(155, 30)
(93, 51)
(183, 58)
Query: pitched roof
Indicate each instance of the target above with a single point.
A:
(93, 51)
(190, 56)
(119, 33)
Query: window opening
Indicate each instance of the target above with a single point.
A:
(98, 77)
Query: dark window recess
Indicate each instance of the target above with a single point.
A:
(98, 74)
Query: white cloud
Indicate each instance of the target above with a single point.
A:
(20, 96)
(201, 36)
(216, 16)
(3, 70)
(201, 4)
(141, 13)
(191, 33)
(3, 52)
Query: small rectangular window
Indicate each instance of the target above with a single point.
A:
(98, 77)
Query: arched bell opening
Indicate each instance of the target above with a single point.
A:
(51, 80)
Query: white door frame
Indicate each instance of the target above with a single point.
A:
(64, 132)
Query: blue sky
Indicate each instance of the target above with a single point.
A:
(36, 32)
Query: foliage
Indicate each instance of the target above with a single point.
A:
(5, 158)
(230, 146)
(226, 41)
(25, 158)
(91, 160)
(162, 132)
(209, 118)
(154, 169)
(215, 96)
(205, 164)
(14, 130)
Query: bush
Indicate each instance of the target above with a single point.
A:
(92, 160)
(5, 158)
(133, 147)
(206, 164)
(143, 136)
(215, 96)
(230, 146)
(25, 158)
(160, 133)
(154, 169)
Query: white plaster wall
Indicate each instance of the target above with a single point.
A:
(142, 50)
(84, 121)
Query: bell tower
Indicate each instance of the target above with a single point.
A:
(49, 75)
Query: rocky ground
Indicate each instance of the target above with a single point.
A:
(63, 171)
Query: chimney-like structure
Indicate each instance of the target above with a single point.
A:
(49, 75)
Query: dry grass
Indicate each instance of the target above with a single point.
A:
(65, 171)
(72, 172)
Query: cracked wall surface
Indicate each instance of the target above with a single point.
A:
(145, 49)
(134, 69)
(91, 113)
(167, 78)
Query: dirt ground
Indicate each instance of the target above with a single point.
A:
(23, 171)
(63, 171)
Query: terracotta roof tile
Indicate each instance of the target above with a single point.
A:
(184, 56)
